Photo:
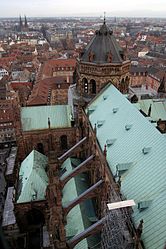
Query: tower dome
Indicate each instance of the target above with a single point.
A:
(101, 62)
(103, 48)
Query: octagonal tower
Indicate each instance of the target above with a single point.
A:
(101, 62)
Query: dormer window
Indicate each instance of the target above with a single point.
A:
(91, 56)
(146, 150)
(128, 127)
(91, 109)
(122, 55)
(109, 57)
(100, 123)
(110, 142)
(142, 205)
(114, 110)
(105, 97)
(123, 167)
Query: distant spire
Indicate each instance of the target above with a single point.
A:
(26, 23)
(104, 17)
(20, 22)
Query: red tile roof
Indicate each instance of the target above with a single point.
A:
(15, 85)
(43, 87)
(51, 65)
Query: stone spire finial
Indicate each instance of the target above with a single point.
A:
(95, 129)
(139, 229)
(105, 150)
(49, 123)
(138, 234)
(26, 23)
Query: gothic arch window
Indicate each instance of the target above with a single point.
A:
(85, 85)
(63, 142)
(127, 80)
(93, 86)
(40, 148)
(126, 84)
(122, 85)
(114, 82)
(122, 81)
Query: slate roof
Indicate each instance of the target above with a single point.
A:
(101, 45)
(142, 148)
(138, 69)
(36, 117)
(11, 161)
(33, 179)
(8, 213)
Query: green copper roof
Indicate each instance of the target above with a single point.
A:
(158, 108)
(142, 148)
(33, 179)
(75, 223)
(36, 117)
(88, 215)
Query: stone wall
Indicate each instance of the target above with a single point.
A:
(50, 140)
(118, 74)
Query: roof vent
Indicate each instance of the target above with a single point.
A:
(91, 109)
(146, 150)
(142, 205)
(128, 127)
(123, 167)
(115, 109)
(110, 142)
(100, 123)
(105, 97)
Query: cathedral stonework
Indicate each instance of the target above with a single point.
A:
(102, 61)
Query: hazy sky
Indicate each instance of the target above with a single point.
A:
(13, 8)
